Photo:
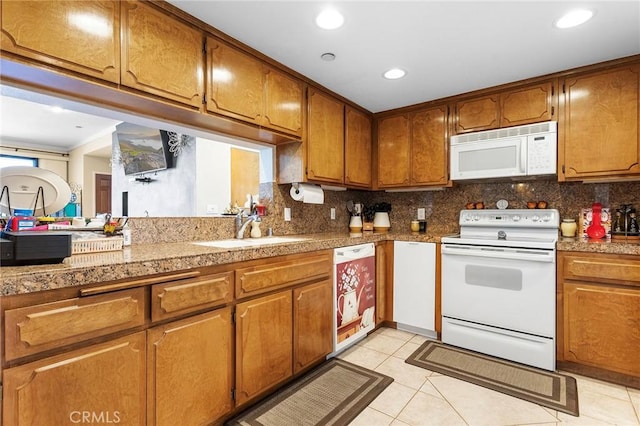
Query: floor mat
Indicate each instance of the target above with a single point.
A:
(546, 388)
(332, 394)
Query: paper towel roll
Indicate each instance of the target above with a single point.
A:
(306, 193)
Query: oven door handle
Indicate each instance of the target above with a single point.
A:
(546, 256)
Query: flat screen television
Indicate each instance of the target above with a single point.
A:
(143, 149)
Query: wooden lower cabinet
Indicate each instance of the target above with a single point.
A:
(103, 383)
(598, 315)
(312, 324)
(602, 326)
(190, 370)
(263, 344)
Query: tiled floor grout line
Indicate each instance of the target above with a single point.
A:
(448, 402)
(635, 409)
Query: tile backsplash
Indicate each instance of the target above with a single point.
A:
(441, 208)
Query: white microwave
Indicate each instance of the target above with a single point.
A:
(510, 152)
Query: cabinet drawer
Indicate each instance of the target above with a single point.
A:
(262, 278)
(601, 268)
(176, 298)
(39, 328)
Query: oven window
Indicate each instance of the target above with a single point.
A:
(490, 276)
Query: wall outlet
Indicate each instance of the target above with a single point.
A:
(421, 213)
(333, 213)
(287, 214)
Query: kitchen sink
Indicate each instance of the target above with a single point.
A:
(249, 242)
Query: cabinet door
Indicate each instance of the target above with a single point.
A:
(234, 82)
(190, 368)
(601, 326)
(394, 150)
(357, 149)
(312, 324)
(106, 380)
(263, 344)
(527, 105)
(477, 114)
(325, 142)
(161, 55)
(429, 158)
(81, 36)
(283, 99)
(600, 136)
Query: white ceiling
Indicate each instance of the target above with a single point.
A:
(446, 47)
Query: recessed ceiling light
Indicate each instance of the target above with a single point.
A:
(330, 19)
(394, 74)
(574, 18)
(328, 57)
(57, 109)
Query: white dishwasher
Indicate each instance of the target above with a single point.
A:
(354, 291)
(414, 287)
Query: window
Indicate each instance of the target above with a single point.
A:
(11, 160)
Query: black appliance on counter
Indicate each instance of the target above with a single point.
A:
(34, 247)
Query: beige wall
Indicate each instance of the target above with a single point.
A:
(83, 167)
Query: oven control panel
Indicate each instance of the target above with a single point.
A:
(547, 218)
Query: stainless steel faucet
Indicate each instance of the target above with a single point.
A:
(242, 226)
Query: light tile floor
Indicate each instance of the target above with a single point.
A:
(420, 397)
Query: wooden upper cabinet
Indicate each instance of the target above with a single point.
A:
(394, 151)
(161, 55)
(531, 104)
(412, 149)
(80, 36)
(429, 154)
(514, 107)
(477, 114)
(283, 100)
(241, 86)
(234, 82)
(599, 135)
(325, 139)
(357, 148)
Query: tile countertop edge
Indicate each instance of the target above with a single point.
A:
(148, 259)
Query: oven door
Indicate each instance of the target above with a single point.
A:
(505, 287)
(489, 159)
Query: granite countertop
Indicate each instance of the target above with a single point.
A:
(146, 259)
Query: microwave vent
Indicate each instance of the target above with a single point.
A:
(529, 129)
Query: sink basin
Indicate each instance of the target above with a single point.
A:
(249, 242)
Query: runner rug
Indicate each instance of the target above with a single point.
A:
(546, 388)
(332, 394)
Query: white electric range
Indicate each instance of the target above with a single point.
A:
(499, 284)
